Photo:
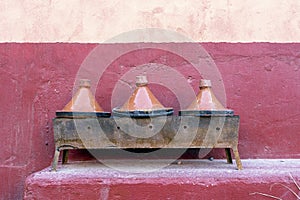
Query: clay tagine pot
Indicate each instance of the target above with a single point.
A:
(142, 103)
(206, 103)
(83, 103)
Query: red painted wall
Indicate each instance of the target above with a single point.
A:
(262, 82)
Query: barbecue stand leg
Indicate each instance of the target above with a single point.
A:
(55, 159)
(65, 156)
(237, 158)
(228, 155)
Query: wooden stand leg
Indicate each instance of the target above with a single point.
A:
(228, 155)
(55, 160)
(237, 158)
(65, 156)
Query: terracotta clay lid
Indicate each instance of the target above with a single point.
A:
(142, 102)
(83, 103)
(206, 103)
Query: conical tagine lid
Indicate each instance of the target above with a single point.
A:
(142, 102)
(206, 103)
(83, 103)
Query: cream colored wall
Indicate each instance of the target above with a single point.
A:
(99, 20)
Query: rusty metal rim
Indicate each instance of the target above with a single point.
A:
(199, 113)
(143, 113)
(82, 114)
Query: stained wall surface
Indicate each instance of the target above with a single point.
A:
(98, 21)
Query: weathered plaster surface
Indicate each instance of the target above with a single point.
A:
(98, 21)
(261, 82)
(190, 180)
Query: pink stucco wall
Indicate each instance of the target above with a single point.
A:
(97, 21)
(262, 83)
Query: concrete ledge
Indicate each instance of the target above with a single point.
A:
(192, 179)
